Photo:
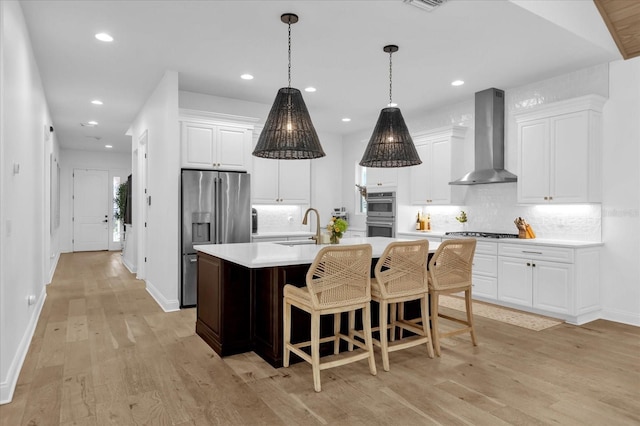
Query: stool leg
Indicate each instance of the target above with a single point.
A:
(424, 308)
(384, 345)
(315, 350)
(434, 322)
(393, 316)
(336, 332)
(368, 339)
(286, 332)
(469, 304)
(401, 317)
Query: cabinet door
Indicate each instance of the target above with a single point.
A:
(486, 287)
(264, 182)
(440, 171)
(419, 175)
(232, 148)
(295, 181)
(198, 142)
(515, 281)
(552, 286)
(377, 176)
(569, 158)
(533, 161)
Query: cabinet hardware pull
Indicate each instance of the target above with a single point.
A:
(193, 260)
(528, 264)
(534, 265)
(546, 198)
(531, 252)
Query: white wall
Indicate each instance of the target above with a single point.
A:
(158, 118)
(621, 187)
(116, 163)
(28, 246)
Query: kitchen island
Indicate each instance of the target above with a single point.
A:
(240, 289)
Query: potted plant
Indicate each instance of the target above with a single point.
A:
(120, 202)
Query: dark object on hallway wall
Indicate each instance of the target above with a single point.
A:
(128, 216)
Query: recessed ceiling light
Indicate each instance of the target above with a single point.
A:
(104, 37)
(246, 77)
(310, 89)
(457, 83)
(108, 146)
(96, 102)
(93, 123)
(346, 119)
(392, 105)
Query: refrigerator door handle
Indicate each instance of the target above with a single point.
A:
(217, 198)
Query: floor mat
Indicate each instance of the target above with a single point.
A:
(498, 313)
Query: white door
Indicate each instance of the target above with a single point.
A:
(90, 210)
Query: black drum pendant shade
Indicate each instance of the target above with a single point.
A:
(390, 144)
(288, 133)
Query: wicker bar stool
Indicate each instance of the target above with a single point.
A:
(401, 276)
(450, 272)
(339, 280)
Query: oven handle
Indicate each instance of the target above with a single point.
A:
(379, 200)
(389, 224)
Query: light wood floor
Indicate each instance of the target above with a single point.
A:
(105, 353)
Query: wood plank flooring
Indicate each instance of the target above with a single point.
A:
(104, 353)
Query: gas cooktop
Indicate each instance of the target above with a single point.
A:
(480, 234)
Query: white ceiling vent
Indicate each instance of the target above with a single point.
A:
(427, 5)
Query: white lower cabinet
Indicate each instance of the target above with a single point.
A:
(561, 282)
(485, 271)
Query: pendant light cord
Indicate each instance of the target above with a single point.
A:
(289, 54)
(390, 80)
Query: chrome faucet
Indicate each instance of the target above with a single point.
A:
(304, 222)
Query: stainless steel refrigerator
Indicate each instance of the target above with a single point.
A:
(216, 209)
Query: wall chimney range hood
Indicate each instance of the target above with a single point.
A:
(489, 141)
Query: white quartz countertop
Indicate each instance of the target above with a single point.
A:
(282, 234)
(533, 241)
(286, 253)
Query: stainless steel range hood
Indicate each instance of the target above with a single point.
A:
(489, 141)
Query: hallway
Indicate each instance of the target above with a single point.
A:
(105, 353)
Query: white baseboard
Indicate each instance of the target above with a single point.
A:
(622, 317)
(166, 304)
(8, 387)
(54, 265)
(132, 268)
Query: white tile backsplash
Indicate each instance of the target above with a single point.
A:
(493, 208)
(281, 218)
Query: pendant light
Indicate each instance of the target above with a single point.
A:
(390, 144)
(288, 133)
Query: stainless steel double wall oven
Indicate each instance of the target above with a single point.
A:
(381, 214)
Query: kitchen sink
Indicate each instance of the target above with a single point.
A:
(295, 242)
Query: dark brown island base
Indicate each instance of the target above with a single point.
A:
(239, 306)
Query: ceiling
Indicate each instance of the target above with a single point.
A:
(336, 47)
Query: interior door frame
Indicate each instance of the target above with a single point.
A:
(142, 203)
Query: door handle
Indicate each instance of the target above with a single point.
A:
(193, 260)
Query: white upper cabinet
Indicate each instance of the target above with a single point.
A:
(280, 181)
(441, 152)
(215, 141)
(380, 177)
(560, 152)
